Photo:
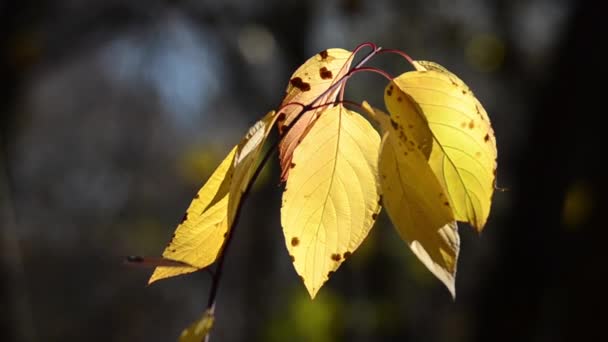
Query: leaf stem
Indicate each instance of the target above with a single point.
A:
(398, 52)
(374, 70)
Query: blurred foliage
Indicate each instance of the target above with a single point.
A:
(306, 320)
(578, 204)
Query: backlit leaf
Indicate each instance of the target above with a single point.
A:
(200, 236)
(307, 83)
(464, 149)
(413, 197)
(331, 198)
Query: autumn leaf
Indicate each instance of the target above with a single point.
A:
(464, 152)
(412, 195)
(331, 198)
(305, 87)
(199, 329)
(200, 236)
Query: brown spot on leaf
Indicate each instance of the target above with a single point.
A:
(410, 126)
(447, 204)
(399, 99)
(323, 54)
(347, 255)
(295, 241)
(298, 83)
(374, 216)
(329, 274)
(225, 234)
(325, 74)
(464, 91)
(281, 117)
(292, 258)
(380, 200)
(494, 172)
(486, 138)
(292, 165)
(196, 196)
(185, 217)
(472, 124)
(336, 257)
(395, 125)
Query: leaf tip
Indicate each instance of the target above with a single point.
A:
(451, 286)
(153, 278)
(368, 109)
(312, 291)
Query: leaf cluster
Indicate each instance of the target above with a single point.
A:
(430, 162)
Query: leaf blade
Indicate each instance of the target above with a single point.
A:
(331, 199)
(200, 236)
(464, 150)
(414, 199)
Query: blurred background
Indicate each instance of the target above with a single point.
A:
(114, 113)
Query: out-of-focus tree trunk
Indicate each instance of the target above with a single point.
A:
(15, 59)
(546, 283)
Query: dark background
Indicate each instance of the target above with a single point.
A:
(113, 113)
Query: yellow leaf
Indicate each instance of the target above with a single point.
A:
(200, 236)
(331, 196)
(307, 83)
(464, 149)
(413, 197)
(199, 329)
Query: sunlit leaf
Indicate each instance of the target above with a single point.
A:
(413, 197)
(464, 149)
(199, 329)
(331, 196)
(306, 84)
(200, 236)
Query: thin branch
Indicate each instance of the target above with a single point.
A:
(220, 262)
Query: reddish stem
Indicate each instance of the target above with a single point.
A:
(374, 70)
(398, 52)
